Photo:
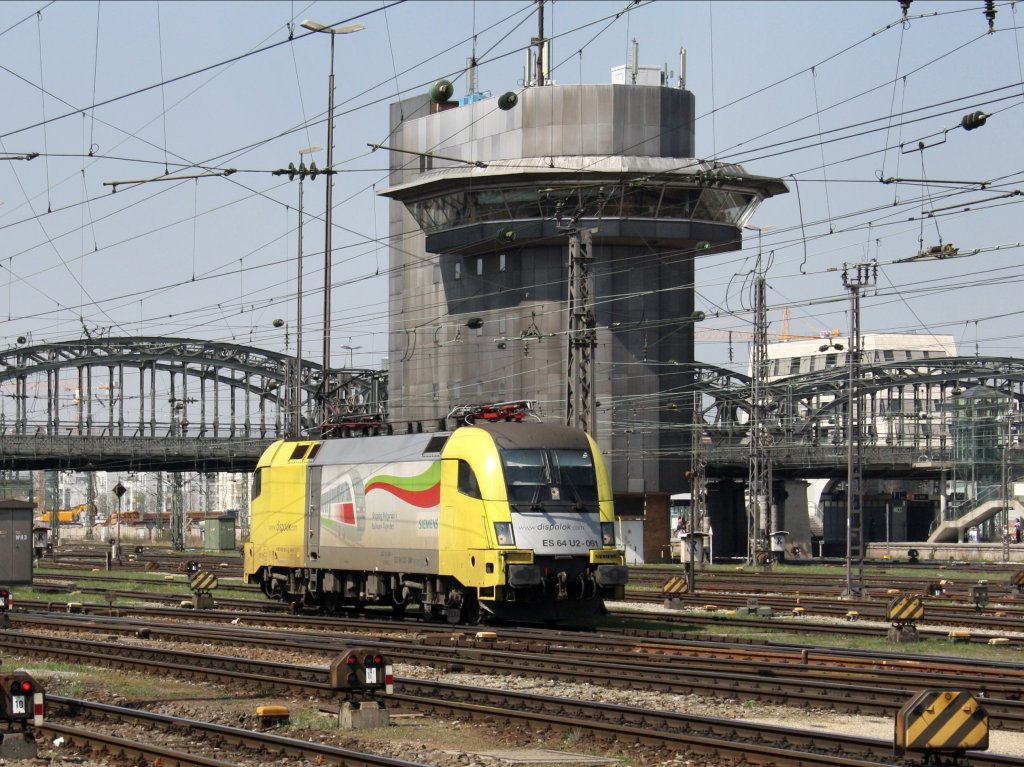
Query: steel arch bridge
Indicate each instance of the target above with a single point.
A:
(157, 403)
(909, 408)
(168, 403)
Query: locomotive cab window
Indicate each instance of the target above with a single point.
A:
(526, 475)
(560, 477)
(575, 472)
(468, 484)
(257, 483)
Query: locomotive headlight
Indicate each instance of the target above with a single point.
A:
(607, 533)
(503, 534)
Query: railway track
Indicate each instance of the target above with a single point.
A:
(992, 619)
(97, 738)
(820, 679)
(994, 623)
(629, 727)
(605, 641)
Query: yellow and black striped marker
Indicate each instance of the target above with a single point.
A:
(203, 582)
(941, 722)
(675, 586)
(1018, 580)
(905, 609)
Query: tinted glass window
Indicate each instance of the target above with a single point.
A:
(436, 444)
(526, 475)
(546, 478)
(257, 483)
(576, 476)
(467, 480)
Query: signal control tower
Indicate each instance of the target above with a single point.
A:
(484, 197)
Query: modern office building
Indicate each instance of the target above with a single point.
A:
(486, 200)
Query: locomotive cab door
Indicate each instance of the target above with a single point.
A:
(313, 513)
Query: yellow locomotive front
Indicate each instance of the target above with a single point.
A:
(527, 521)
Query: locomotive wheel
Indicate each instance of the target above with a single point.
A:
(330, 601)
(472, 612)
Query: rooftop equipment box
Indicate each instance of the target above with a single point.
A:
(16, 542)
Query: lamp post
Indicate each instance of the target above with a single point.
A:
(332, 31)
(351, 350)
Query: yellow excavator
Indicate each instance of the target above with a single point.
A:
(65, 516)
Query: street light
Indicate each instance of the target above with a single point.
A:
(332, 31)
(351, 349)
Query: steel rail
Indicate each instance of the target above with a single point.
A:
(313, 752)
(665, 731)
(795, 689)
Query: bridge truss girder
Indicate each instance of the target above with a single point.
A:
(158, 391)
(807, 412)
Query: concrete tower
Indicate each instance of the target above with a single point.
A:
(479, 258)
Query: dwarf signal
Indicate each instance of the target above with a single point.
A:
(362, 670)
(21, 698)
(21, 708)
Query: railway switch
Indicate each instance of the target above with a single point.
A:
(21, 708)
(941, 723)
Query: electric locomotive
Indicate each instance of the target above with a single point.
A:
(505, 520)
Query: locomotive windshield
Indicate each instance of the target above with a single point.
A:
(540, 478)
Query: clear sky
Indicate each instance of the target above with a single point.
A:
(834, 97)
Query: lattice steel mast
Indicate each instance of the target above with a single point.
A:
(759, 480)
(581, 397)
(861, 276)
